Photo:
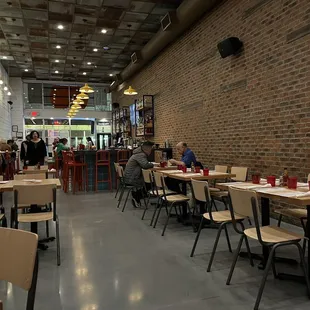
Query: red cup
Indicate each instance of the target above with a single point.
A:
(180, 167)
(206, 171)
(163, 164)
(184, 169)
(292, 182)
(255, 178)
(197, 169)
(271, 180)
(25, 168)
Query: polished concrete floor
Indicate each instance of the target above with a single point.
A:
(115, 261)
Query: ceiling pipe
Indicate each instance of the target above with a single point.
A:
(187, 14)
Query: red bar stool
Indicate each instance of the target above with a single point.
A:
(103, 160)
(77, 170)
(122, 158)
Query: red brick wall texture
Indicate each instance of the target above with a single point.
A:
(252, 110)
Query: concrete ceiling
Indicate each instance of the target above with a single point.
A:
(29, 36)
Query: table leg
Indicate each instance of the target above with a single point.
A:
(265, 210)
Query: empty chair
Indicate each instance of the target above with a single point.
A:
(19, 261)
(167, 200)
(244, 203)
(36, 195)
(201, 193)
(222, 169)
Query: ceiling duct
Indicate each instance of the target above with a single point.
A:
(189, 12)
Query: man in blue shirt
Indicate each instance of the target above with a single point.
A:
(188, 156)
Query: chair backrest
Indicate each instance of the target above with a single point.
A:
(120, 171)
(18, 257)
(116, 167)
(68, 156)
(158, 180)
(1, 177)
(36, 176)
(123, 155)
(103, 156)
(240, 172)
(201, 190)
(222, 169)
(147, 176)
(241, 201)
(308, 177)
(30, 194)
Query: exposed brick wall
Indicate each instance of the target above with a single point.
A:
(251, 110)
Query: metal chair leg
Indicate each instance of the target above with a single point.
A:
(158, 213)
(227, 238)
(57, 241)
(266, 271)
(197, 236)
(47, 230)
(121, 195)
(304, 226)
(247, 246)
(129, 191)
(280, 220)
(304, 267)
(146, 206)
(118, 188)
(215, 246)
(236, 255)
(167, 220)
(155, 210)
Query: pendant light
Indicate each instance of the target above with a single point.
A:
(78, 101)
(76, 106)
(82, 96)
(130, 91)
(86, 89)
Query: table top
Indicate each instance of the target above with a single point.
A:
(157, 168)
(299, 196)
(37, 171)
(8, 187)
(213, 175)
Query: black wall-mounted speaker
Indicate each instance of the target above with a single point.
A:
(230, 46)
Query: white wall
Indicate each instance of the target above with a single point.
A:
(5, 108)
(18, 106)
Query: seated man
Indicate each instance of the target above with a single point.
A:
(133, 171)
(188, 156)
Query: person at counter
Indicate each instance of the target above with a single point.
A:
(187, 156)
(36, 150)
(133, 171)
(62, 146)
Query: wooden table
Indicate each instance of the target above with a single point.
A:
(8, 187)
(274, 193)
(186, 177)
(38, 171)
(158, 168)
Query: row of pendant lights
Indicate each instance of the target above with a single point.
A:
(76, 104)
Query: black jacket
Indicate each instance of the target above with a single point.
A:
(36, 152)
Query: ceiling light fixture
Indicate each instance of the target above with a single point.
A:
(52, 118)
(106, 48)
(4, 57)
(60, 27)
(82, 96)
(95, 49)
(32, 88)
(76, 106)
(1, 82)
(58, 46)
(86, 89)
(110, 74)
(104, 31)
(57, 60)
(54, 89)
(56, 71)
(84, 73)
(26, 70)
(89, 63)
(5, 88)
(78, 101)
(130, 91)
(9, 93)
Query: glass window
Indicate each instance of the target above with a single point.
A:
(33, 96)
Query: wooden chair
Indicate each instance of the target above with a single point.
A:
(117, 183)
(300, 214)
(201, 193)
(19, 261)
(36, 195)
(222, 169)
(244, 203)
(241, 176)
(167, 200)
(151, 192)
(123, 187)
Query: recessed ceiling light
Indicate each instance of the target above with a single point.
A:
(89, 63)
(54, 94)
(5, 88)
(56, 71)
(54, 89)
(52, 117)
(61, 27)
(95, 49)
(58, 46)
(57, 60)
(106, 48)
(1, 82)
(4, 57)
(87, 118)
(32, 88)
(84, 73)
(104, 31)
(9, 93)
(26, 70)
(110, 74)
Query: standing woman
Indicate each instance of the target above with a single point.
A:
(36, 151)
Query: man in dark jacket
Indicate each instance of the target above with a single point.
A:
(133, 171)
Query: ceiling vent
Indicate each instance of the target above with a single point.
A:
(169, 20)
(136, 57)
